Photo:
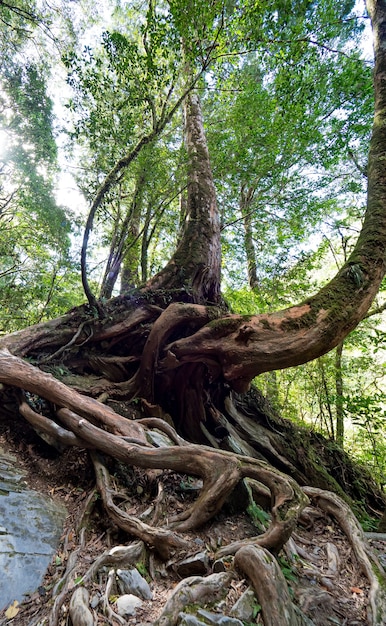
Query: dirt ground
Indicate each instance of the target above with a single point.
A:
(68, 477)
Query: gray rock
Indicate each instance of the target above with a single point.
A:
(95, 600)
(244, 607)
(196, 565)
(159, 439)
(185, 619)
(31, 528)
(128, 604)
(218, 619)
(131, 581)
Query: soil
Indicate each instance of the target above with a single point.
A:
(68, 477)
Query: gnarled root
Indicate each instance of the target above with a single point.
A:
(193, 590)
(220, 471)
(270, 587)
(369, 564)
(117, 557)
(79, 611)
(165, 542)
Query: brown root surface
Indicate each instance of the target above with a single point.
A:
(138, 456)
(316, 590)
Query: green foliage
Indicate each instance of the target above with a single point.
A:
(38, 279)
(289, 572)
(141, 567)
(259, 517)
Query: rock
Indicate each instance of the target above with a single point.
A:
(131, 581)
(128, 604)
(198, 541)
(158, 439)
(31, 526)
(196, 565)
(244, 607)
(186, 619)
(218, 619)
(95, 600)
(79, 611)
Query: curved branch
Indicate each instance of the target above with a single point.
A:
(247, 346)
(176, 315)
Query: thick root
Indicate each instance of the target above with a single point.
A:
(165, 542)
(79, 611)
(117, 557)
(193, 590)
(369, 564)
(270, 587)
(220, 471)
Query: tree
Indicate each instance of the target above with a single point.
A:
(34, 237)
(174, 344)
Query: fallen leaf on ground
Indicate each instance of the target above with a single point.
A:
(12, 610)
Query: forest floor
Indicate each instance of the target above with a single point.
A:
(325, 597)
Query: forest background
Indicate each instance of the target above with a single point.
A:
(287, 106)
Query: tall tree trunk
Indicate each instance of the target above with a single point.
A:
(196, 263)
(246, 197)
(339, 411)
(124, 247)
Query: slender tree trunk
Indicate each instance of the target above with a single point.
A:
(246, 197)
(339, 395)
(124, 245)
(326, 402)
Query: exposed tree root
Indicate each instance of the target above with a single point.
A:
(193, 590)
(219, 470)
(77, 420)
(108, 611)
(270, 587)
(62, 586)
(369, 564)
(165, 542)
(49, 430)
(192, 316)
(79, 611)
(117, 557)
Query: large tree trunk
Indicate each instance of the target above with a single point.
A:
(196, 263)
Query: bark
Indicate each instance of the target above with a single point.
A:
(245, 347)
(270, 587)
(125, 440)
(246, 198)
(110, 180)
(183, 356)
(339, 395)
(196, 263)
(121, 355)
(124, 246)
